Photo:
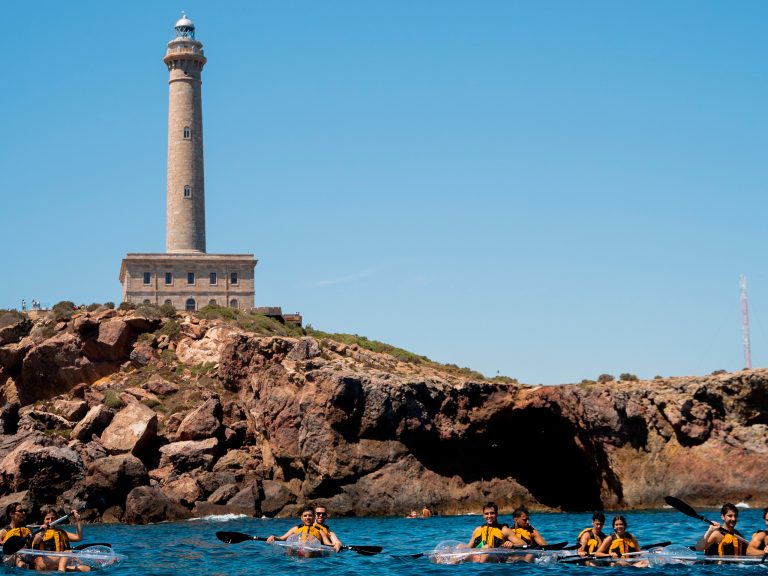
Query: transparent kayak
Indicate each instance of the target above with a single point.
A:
(93, 557)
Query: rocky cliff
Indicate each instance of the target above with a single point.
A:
(152, 423)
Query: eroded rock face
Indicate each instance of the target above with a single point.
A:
(263, 425)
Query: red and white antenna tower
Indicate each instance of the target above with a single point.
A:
(745, 321)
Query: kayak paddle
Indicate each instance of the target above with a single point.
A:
(686, 509)
(574, 559)
(84, 546)
(237, 537)
(16, 543)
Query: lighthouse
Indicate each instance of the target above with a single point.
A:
(185, 275)
(185, 196)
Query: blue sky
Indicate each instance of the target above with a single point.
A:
(545, 190)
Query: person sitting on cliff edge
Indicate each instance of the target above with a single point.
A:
(306, 531)
(758, 545)
(490, 535)
(589, 539)
(723, 539)
(321, 515)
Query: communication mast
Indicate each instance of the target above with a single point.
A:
(745, 321)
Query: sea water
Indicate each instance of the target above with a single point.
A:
(191, 548)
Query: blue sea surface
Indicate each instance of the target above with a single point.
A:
(192, 549)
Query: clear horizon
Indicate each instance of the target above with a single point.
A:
(547, 191)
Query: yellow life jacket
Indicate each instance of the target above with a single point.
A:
(730, 545)
(491, 536)
(22, 531)
(525, 535)
(594, 540)
(324, 529)
(309, 531)
(54, 540)
(622, 546)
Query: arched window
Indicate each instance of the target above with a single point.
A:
(191, 306)
(187, 133)
(211, 302)
(146, 301)
(187, 191)
(168, 303)
(233, 303)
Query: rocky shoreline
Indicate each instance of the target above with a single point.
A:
(154, 424)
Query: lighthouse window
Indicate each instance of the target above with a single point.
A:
(214, 279)
(147, 278)
(233, 277)
(187, 133)
(233, 303)
(190, 277)
(187, 191)
(190, 305)
(169, 278)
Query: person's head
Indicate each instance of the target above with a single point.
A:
(521, 517)
(15, 514)
(730, 514)
(48, 514)
(490, 513)
(619, 524)
(308, 516)
(598, 521)
(321, 514)
(765, 515)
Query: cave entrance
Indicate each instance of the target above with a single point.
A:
(534, 446)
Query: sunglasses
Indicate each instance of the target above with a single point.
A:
(20, 511)
(321, 513)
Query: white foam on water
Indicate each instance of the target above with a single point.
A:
(220, 517)
(742, 505)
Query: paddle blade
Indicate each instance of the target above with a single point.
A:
(681, 506)
(233, 537)
(657, 545)
(14, 544)
(555, 546)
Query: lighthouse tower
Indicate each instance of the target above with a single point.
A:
(185, 203)
(185, 276)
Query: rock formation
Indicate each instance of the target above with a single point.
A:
(157, 418)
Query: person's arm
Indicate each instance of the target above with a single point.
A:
(284, 537)
(602, 552)
(78, 526)
(475, 535)
(711, 536)
(335, 541)
(583, 541)
(513, 540)
(757, 545)
(537, 537)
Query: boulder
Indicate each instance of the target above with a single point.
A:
(182, 489)
(247, 500)
(223, 493)
(206, 350)
(114, 476)
(48, 471)
(13, 327)
(11, 355)
(147, 504)
(88, 452)
(161, 386)
(276, 497)
(143, 395)
(204, 422)
(133, 429)
(113, 341)
(142, 353)
(53, 366)
(72, 410)
(189, 454)
(94, 422)
(112, 515)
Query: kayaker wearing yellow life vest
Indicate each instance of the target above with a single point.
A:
(620, 543)
(522, 533)
(490, 535)
(759, 543)
(54, 539)
(321, 515)
(723, 539)
(306, 530)
(15, 525)
(589, 539)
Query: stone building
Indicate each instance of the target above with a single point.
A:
(185, 275)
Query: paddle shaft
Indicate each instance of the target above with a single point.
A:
(688, 510)
(237, 537)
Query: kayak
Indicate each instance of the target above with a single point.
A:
(307, 547)
(455, 552)
(92, 558)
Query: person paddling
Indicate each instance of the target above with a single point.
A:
(723, 539)
(321, 515)
(306, 531)
(55, 539)
(491, 534)
(15, 526)
(620, 543)
(758, 545)
(522, 533)
(589, 539)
